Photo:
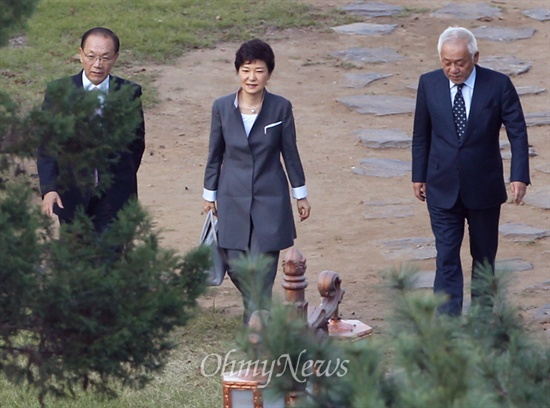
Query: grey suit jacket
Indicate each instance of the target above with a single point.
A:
(252, 187)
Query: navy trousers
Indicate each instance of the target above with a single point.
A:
(448, 228)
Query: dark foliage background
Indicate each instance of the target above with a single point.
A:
(77, 309)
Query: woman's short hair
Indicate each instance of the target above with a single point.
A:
(255, 50)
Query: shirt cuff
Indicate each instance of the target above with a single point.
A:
(299, 192)
(209, 195)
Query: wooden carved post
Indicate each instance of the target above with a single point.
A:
(294, 281)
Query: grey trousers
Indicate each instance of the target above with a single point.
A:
(256, 290)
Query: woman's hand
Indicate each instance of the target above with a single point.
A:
(207, 206)
(303, 209)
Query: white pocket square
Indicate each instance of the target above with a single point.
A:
(272, 125)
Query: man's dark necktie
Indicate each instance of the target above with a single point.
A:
(459, 113)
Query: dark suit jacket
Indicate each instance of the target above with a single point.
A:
(248, 174)
(124, 171)
(474, 168)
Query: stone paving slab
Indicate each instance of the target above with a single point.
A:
(384, 138)
(378, 167)
(372, 9)
(503, 33)
(379, 104)
(521, 90)
(543, 168)
(538, 197)
(365, 28)
(425, 279)
(529, 90)
(363, 79)
(537, 118)
(541, 314)
(506, 65)
(475, 11)
(506, 153)
(539, 286)
(414, 248)
(540, 14)
(513, 265)
(368, 55)
(522, 232)
(388, 209)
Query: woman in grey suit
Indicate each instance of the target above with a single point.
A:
(245, 184)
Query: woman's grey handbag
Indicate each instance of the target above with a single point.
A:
(209, 237)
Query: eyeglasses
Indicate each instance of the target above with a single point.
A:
(93, 58)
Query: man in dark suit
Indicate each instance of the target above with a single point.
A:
(98, 53)
(456, 163)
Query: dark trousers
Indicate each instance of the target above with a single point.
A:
(448, 229)
(100, 212)
(255, 297)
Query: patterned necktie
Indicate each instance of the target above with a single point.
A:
(459, 113)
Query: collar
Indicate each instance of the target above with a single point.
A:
(469, 82)
(88, 86)
(236, 100)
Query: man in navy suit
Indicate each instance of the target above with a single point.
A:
(98, 53)
(456, 162)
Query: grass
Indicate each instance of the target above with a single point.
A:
(180, 385)
(151, 32)
(407, 11)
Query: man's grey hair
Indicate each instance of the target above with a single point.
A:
(458, 33)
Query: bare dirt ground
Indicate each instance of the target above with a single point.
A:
(338, 236)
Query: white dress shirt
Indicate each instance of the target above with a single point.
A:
(89, 86)
(103, 87)
(467, 91)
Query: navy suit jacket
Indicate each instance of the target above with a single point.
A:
(472, 169)
(124, 172)
(248, 174)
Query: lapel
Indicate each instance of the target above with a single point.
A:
(238, 119)
(442, 93)
(77, 80)
(115, 83)
(238, 132)
(257, 122)
(260, 119)
(481, 92)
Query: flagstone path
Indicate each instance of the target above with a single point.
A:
(353, 90)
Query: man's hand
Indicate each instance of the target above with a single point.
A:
(303, 209)
(48, 202)
(420, 191)
(519, 189)
(207, 206)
